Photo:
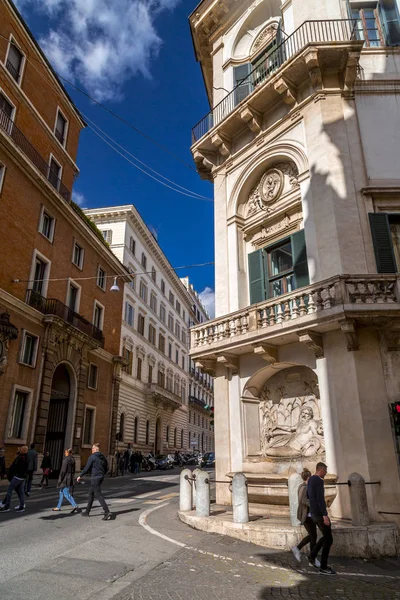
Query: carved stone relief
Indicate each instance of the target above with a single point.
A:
(276, 181)
(8, 332)
(290, 418)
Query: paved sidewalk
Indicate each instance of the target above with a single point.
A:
(217, 567)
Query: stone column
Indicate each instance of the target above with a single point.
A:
(194, 475)
(294, 481)
(203, 495)
(240, 499)
(358, 501)
(185, 490)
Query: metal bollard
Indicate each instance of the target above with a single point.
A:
(185, 491)
(240, 498)
(203, 495)
(195, 474)
(358, 500)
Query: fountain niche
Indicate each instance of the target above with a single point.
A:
(283, 434)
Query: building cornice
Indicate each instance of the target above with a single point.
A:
(14, 304)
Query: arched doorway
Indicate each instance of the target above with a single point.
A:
(58, 416)
(158, 438)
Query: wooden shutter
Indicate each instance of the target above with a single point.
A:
(258, 276)
(299, 254)
(242, 81)
(382, 239)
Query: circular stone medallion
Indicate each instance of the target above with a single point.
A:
(271, 185)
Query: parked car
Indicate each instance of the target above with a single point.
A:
(208, 459)
(164, 461)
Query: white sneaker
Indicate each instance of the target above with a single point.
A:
(317, 563)
(19, 508)
(296, 553)
(2, 505)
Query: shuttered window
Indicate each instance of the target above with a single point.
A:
(278, 269)
(383, 241)
(242, 82)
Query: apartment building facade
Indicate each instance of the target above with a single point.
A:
(153, 405)
(300, 143)
(59, 323)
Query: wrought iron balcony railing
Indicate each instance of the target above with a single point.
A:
(197, 401)
(12, 70)
(52, 306)
(332, 31)
(9, 127)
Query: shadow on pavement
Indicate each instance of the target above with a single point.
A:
(56, 515)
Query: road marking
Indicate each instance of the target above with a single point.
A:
(158, 478)
(148, 494)
(168, 496)
(143, 523)
(154, 501)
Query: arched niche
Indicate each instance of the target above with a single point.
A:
(262, 14)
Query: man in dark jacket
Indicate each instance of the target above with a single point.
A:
(17, 474)
(32, 456)
(98, 465)
(319, 514)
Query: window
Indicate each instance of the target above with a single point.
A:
(143, 291)
(177, 330)
(153, 274)
(40, 273)
(128, 357)
(163, 286)
(98, 315)
(183, 337)
(152, 335)
(73, 297)
(147, 432)
(7, 108)
(144, 261)
(139, 368)
(141, 323)
(167, 435)
(183, 393)
(278, 269)
(389, 16)
(181, 438)
(14, 61)
(132, 283)
(171, 298)
(136, 430)
(162, 313)
(129, 313)
(177, 356)
(121, 427)
(54, 175)
(161, 378)
(88, 428)
(101, 278)
(19, 413)
(153, 302)
(107, 235)
(170, 322)
(61, 128)
(184, 315)
(161, 343)
(150, 374)
(178, 307)
(29, 349)
(132, 245)
(183, 362)
(2, 174)
(169, 350)
(175, 437)
(385, 230)
(92, 376)
(77, 255)
(169, 382)
(47, 225)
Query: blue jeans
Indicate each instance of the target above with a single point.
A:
(137, 468)
(18, 485)
(65, 493)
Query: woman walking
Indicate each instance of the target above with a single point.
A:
(303, 515)
(46, 469)
(65, 482)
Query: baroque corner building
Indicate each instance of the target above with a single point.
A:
(59, 320)
(301, 145)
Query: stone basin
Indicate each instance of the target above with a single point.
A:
(271, 490)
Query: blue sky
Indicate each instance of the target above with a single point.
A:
(136, 56)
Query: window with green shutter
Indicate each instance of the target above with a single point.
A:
(242, 82)
(385, 237)
(278, 269)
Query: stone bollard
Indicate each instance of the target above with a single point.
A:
(240, 498)
(293, 484)
(195, 474)
(358, 501)
(203, 495)
(185, 491)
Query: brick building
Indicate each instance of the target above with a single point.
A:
(59, 321)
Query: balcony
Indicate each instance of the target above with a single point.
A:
(11, 130)
(12, 70)
(341, 302)
(53, 307)
(331, 39)
(165, 397)
(197, 402)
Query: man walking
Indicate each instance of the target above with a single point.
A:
(32, 456)
(319, 514)
(98, 465)
(17, 474)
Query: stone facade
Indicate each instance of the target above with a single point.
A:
(59, 376)
(307, 200)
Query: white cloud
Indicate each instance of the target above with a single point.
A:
(207, 298)
(101, 43)
(78, 198)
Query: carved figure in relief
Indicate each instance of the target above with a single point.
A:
(271, 185)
